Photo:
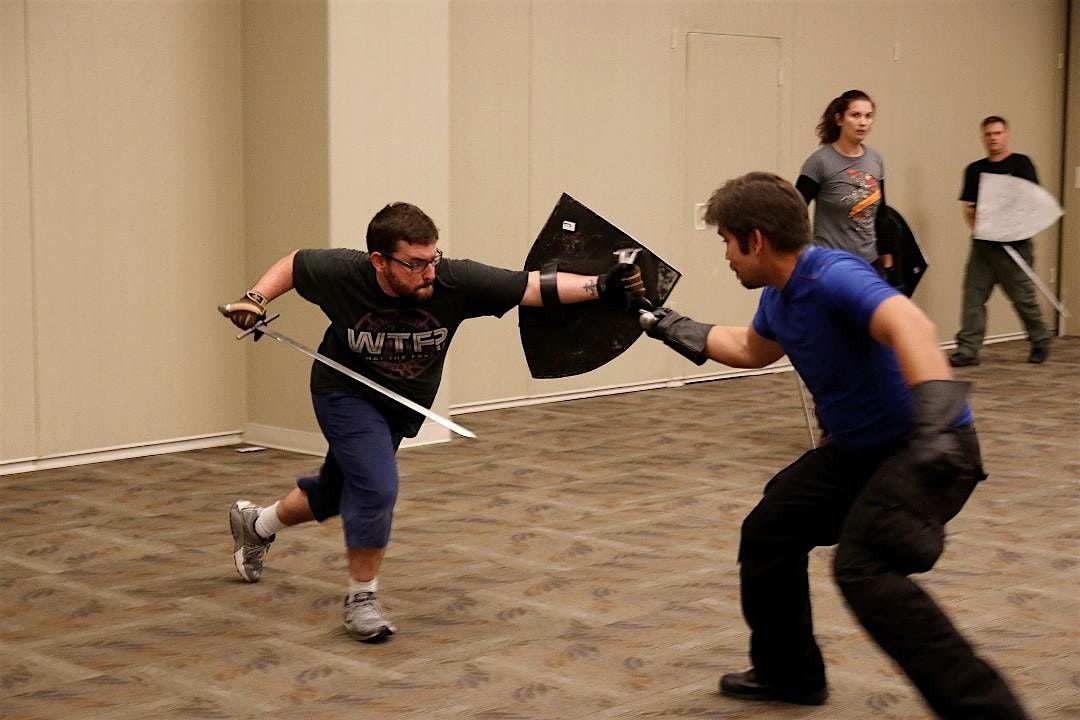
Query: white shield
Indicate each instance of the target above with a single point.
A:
(1011, 208)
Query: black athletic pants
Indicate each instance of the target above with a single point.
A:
(887, 519)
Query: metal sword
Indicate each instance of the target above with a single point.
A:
(1035, 279)
(261, 327)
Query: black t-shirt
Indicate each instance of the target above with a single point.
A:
(399, 343)
(1014, 164)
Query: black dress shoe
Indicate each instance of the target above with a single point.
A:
(959, 359)
(746, 686)
(1039, 353)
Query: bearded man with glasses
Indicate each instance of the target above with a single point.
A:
(393, 311)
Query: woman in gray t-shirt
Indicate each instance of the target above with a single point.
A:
(846, 179)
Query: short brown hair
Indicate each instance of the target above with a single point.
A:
(761, 201)
(400, 221)
(993, 119)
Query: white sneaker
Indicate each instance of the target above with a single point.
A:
(364, 618)
(248, 548)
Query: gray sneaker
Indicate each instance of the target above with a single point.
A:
(248, 548)
(364, 618)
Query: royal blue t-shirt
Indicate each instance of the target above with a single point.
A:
(822, 321)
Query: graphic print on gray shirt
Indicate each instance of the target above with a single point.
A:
(848, 199)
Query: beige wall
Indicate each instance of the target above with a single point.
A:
(122, 224)
(286, 196)
(157, 156)
(1070, 255)
(323, 81)
(18, 399)
(596, 99)
(389, 121)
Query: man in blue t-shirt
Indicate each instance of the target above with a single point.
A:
(901, 458)
(393, 312)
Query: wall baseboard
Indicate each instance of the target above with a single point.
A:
(118, 452)
(600, 390)
(311, 443)
(785, 366)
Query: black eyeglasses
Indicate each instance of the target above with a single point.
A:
(418, 267)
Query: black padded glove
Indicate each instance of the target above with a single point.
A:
(621, 283)
(935, 406)
(687, 337)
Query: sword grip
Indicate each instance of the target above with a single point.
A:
(633, 284)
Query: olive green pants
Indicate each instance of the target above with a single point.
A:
(989, 265)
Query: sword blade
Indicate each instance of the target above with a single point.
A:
(319, 357)
(805, 407)
(1036, 279)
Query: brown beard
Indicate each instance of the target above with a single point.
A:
(423, 294)
(419, 294)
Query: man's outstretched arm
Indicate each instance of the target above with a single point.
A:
(251, 308)
(621, 280)
(731, 345)
(278, 279)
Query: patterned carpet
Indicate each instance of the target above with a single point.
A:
(576, 561)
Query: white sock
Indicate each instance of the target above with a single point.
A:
(360, 586)
(268, 523)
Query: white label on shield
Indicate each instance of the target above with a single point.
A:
(569, 225)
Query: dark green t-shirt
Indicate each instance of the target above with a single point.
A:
(399, 343)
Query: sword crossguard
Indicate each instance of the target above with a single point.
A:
(254, 329)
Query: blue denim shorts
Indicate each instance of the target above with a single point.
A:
(359, 478)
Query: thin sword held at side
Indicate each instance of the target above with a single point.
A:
(261, 327)
(1035, 279)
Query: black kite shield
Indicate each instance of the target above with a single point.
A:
(909, 258)
(574, 339)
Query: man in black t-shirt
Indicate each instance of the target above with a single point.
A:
(393, 311)
(989, 264)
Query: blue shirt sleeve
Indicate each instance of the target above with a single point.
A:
(760, 323)
(855, 290)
